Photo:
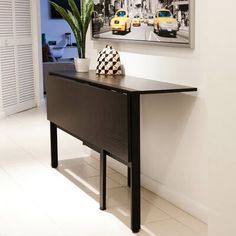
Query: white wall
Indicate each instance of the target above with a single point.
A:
(180, 133)
(173, 126)
(1, 108)
(53, 28)
(37, 52)
(221, 64)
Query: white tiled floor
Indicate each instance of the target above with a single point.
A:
(36, 200)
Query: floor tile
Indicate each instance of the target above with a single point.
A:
(148, 195)
(79, 174)
(167, 228)
(118, 196)
(95, 182)
(122, 180)
(39, 200)
(82, 170)
(94, 162)
(19, 215)
(65, 163)
(167, 207)
(149, 213)
(193, 223)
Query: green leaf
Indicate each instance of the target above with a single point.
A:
(77, 21)
(70, 20)
(88, 14)
(76, 13)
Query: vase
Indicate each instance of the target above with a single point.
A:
(108, 62)
(82, 64)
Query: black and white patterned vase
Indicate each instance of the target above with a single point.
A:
(108, 62)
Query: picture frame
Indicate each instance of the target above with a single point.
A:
(155, 22)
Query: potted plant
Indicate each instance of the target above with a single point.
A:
(78, 22)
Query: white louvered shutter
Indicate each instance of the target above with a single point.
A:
(8, 77)
(25, 73)
(16, 56)
(23, 18)
(6, 19)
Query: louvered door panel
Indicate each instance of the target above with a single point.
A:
(23, 18)
(25, 73)
(6, 18)
(17, 88)
(8, 77)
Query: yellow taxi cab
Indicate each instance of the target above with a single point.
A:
(121, 22)
(136, 21)
(145, 19)
(164, 22)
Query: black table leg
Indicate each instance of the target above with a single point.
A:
(54, 150)
(103, 166)
(128, 176)
(135, 197)
(134, 158)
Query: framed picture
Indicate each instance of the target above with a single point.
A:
(165, 22)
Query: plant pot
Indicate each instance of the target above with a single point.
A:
(81, 64)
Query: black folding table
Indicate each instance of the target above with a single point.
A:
(104, 113)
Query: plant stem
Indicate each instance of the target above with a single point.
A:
(83, 43)
(79, 51)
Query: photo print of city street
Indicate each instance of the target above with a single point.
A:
(163, 21)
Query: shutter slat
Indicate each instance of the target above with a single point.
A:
(8, 76)
(25, 73)
(6, 18)
(16, 59)
(23, 18)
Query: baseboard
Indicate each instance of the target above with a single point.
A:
(41, 103)
(19, 108)
(185, 203)
(192, 207)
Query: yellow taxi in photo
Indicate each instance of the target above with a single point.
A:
(145, 19)
(121, 22)
(164, 22)
(136, 21)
